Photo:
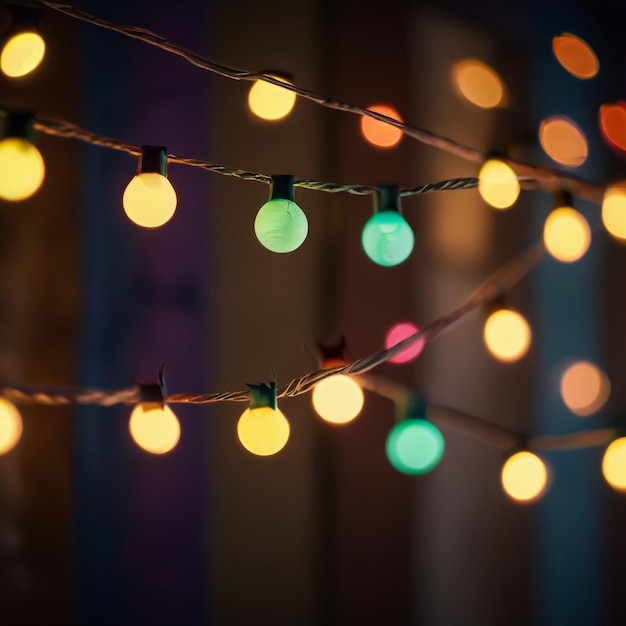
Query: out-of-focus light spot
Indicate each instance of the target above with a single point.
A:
(507, 335)
(584, 388)
(563, 141)
(612, 118)
(22, 54)
(614, 211)
(575, 55)
(414, 446)
(566, 234)
(478, 83)
(398, 333)
(497, 184)
(614, 464)
(337, 399)
(271, 102)
(10, 426)
(524, 477)
(378, 133)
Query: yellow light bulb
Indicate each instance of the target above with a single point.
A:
(337, 399)
(154, 427)
(10, 426)
(22, 53)
(149, 200)
(478, 83)
(614, 464)
(507, 335)
(498, 184)
(566, 234)
(269, 101)
(524, 477)
(263, 430)
(614, 211)
(584, 388)
(22, 169)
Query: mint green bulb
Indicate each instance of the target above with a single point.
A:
(387, 238)
(281, 225)
(414, 446)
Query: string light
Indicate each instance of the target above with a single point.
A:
(584, 388)
(614, 211)
(154, 427)
(563, 141)
(396, 334)
(612, 122)
(575, 55)
(337, 399)
(378, 133)
(507, 335)
(478, 83)
(24, 48)
(614, 464)
(524, 477)
(566, 232)
(271, 102)
(497, 184)
(10, 426)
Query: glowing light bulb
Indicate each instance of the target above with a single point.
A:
(10, 426)
(398, 333)
(524, 477)
(497, 184)
(154, 427)
(281, 225)
(414, 446)
(337, 399)
(23, 48)
(614, 464)
(380, 134)
(584, 388)
(269, 101)
(262, 428)
(612, 120)
(614, 211)
(478, 83)
(575, 55)
(566, 234)
(507, 335)
(563, 141)
(149, 199)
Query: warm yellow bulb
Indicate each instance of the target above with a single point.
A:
(614, 464)
(498, 184)
(507, 335)
(10, 426)
(149, 200)
(22, 53)
(263, 430)
(614, 211)
(566, 234)
(269, 101)
(337, 399)
(478, 83)
(22, 169)
(524, 477)
(154, 427)
(584, 388)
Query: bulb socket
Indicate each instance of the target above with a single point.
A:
(281, 187)
(153, 392)
(25, 20)
(387, 198)
(562, 198)
(19, 124)
(263, 396)
(153, 159)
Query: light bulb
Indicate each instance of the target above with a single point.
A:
(575, 55)
(22, 169)
(149, 199)
(478, 83)
(281, 225)
(337, 399)
(398, 333)
(497, 184)
(154, 427)
(414, 446)
(612, 119)
(566, 234)
(269, 101)
(614, 211)
(10, 426)
(563, 141)
(23, 48)
(507, 335)
(381, 134)
(524, 477)
(584, 388)
(614, 464)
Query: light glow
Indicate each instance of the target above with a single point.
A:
(566, 234)
(478, 83)
(575, 55)
(563, 141)
(399, 332)
(387, 238)
(154, 427)
(22, 54)
(414, 446)
(281, 225)
(263, 431)
(271, 102)
(507, 335)
(524, 477)
(614, 211)
(10, 426)
(22, 169)
(149, 200)
(497, 184)
(612, 120)
(380, 134)
(614, 464)
(337, 399)
(584, 388)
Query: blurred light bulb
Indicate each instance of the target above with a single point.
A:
(281, 225)
(398, 333)
(497, 184)
(154, 427)
(584, 388)
(22, 169)
(414, 446)
(563, 141)
(614, 464)
(524, 477)
(507, 335)
(337, 399)
(614, 211)
(566, 234)
(23, 49)
(381, 134)
(10, 426)
(263, 431)
(575, 55)
(269, 101)
(612, 119)
(478, 83)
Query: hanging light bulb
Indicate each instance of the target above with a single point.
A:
(10, 426)
(337, 399)
(280, 224)
(387, 237)
(614, 464)
(498, 184)
(524, 477)
(507, 334)
(269, 101)
(262, 428)
(614, 211)
(566, 233)
(22, 168)
(23, 48)
(149, 199)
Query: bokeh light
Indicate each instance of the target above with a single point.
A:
(566, 234)
(263, 430)
(575, 55)
(22, 169)
(271, 102)
(414, 446)
(22, 54)
(10, 426)
(563, 141)
(584, 388)
(337, 399)
(614, 211)
(524, 477)
(378, 133)
(478, 83)
(154, 427)
(399, 332)
(507, 335)
(612, 121)
(614, 464)
(497, 184)
(149, 200)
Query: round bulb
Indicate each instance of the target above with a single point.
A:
(269, 101)
(614, 464)
(478, 83)
(387, 238)
(507, 335)
(149, 200)
(10, 426)
(566, 234)
(281, 225)
(380, 134)
(22, 53)
(575, 55)
(398, 333)
(614, 211)
(263, 430)
(524, 477)
(22, 169)
(414, 446)
(563, 141)
(337, 399)
(498, 184)
(154, 427)
(612, 118)
(584, 388)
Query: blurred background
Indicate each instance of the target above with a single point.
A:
(94, 530)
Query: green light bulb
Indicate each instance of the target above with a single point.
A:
(414, 446)
(387, 238)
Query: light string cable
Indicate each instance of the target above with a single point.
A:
(548, 179)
